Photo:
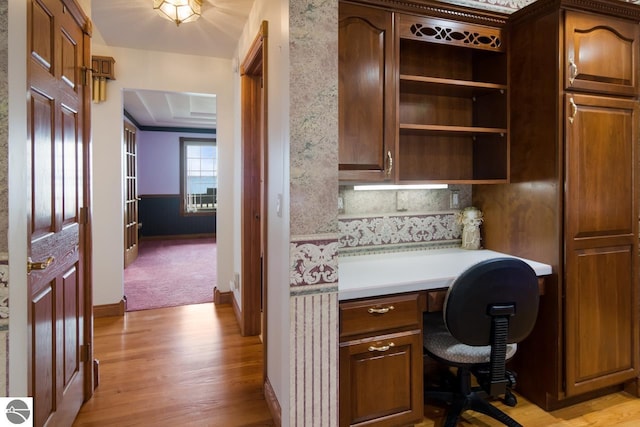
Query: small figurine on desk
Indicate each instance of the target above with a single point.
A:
(470, 218)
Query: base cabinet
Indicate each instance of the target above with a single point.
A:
(378, 380)
(381, 361)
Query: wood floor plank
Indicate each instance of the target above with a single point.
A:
(189, 366)
(179, 366)
(617, 409)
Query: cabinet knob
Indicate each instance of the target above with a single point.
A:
(381, 310)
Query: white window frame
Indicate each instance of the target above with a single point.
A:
(197, 203)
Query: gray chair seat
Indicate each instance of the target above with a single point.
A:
(440, 343)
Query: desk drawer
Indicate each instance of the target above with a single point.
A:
(380, 314)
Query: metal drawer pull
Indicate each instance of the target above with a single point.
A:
(389, 163)
(574, 110)
(382, 310)
(573, 71)
(382, 348)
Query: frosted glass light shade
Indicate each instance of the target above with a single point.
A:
(178, 11)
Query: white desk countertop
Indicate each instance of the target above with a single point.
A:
(381, 274)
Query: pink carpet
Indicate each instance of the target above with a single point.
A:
(171, 272)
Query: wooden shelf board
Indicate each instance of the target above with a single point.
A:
(447, 87)
(450, 130)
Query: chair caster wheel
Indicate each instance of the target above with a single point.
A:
(510, 400)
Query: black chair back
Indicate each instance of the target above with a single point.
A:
(506, 286)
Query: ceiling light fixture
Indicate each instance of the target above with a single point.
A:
(178, 11)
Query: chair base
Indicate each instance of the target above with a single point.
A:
(470, 398)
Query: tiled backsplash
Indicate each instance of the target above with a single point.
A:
(386, 202)
(372, 223)
(399, 232)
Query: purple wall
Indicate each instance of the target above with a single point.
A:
(159, 161)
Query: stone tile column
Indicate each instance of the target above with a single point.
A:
(314, 200)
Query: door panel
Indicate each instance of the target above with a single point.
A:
(59, 375)
(43, 366)
(602, 343)
(366, 79)
(600, 161)
(601, 53)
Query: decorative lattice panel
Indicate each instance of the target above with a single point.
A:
(453, 33)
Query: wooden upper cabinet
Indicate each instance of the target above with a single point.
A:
(601, 54)
(366, 93)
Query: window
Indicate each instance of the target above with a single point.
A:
(198, 175)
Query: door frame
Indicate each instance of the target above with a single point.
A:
(254, 220)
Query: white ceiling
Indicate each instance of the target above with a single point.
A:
(134, 24)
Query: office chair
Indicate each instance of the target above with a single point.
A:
(489, 308)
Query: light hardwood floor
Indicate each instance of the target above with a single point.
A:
(189, 366)
(179, 366)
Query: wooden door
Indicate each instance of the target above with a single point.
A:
(130, 195)
(601, 220)
(601, 53)
(366, 94)
(59, 312)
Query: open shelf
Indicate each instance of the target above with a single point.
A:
(453, 124)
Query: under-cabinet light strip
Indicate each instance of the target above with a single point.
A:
(401, 187)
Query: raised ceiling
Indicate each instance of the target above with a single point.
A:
(153, 109)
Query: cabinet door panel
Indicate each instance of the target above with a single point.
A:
(602, 345)
(366, 93)
(601, 291)
(600, 179)
(601, 53)
(381, 380)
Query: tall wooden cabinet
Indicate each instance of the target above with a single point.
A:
(573, 197)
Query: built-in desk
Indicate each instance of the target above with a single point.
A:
(382, 300)
(363, 276)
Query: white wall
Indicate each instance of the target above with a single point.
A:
(276, 12)
(136, 69)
